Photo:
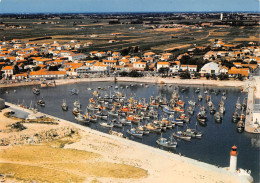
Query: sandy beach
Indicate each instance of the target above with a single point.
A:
(131, 161)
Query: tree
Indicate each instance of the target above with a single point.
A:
(223, 76)
(185, 75)
(123, 74)
(164, 70)
(135, 74)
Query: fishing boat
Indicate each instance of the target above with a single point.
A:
(240, 126)
(41, 102)
(81, 118)
(192, 102)
(244, 105)
(165, 143)
(193, 133)
(207, 98)
(64, 105)
(200, 97)
(135, 133)
(101, 115)
(197, 90)
(242, 116)
(44, 84)
(143, 129)
(77, 104)
(190, 110)
(134, 118)
(36, 91)
(74, 91)
(112, 113)
(202, 116)
(92, 118)
(75, 111)
(212, 109)
(92, 107)
(167, 110)
(181, 135)
(238, 105)
(153, 128)
(174, 121)
(235, 117)
(218, 117)
(124, 121)
(51, 84)
(106, 125)
(117, 123)
(222, 109)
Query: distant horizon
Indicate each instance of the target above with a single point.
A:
(125, 6)
(137, 12)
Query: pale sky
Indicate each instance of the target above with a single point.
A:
(85, 6)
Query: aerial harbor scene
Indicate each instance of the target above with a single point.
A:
(119, 91)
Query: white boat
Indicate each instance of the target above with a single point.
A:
(136, 133)
(106, 125)
(64, 105)
(165, 143)
(77, 104)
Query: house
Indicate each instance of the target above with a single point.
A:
(8, 71)
(190, 68)
(76, 56)
(149, 54)
(124, 62)
(20, 76)
(90, 63)
(210, 55)
(223, 70)
(88, 44)
(175, 67)
(166, 56)
(78, 46)
(47, 74)
(139, 66)
(40, 61)
(116, 54)
(210, 68)
(99, 67)
(100, 54)
(238, 71)
(82, 70)
(162, 65)
(110, 63)
(134, 59)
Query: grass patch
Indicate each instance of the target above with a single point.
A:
(39, 174)
(45, 154)
(105, 169)
(65, 140)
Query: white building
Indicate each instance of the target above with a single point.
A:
(210, 68)
(162, 65)
(76, 56)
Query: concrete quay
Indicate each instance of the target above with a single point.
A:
(252, 123)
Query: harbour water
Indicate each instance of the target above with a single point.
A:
(213, 147)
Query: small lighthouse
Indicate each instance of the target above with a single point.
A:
(233, 159)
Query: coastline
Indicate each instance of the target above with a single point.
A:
(157, 80)
(157, 162)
